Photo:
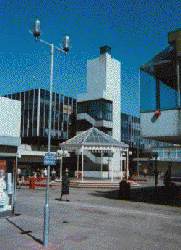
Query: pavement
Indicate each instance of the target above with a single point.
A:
(90, 221)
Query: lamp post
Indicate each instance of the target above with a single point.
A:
(36, 33)
(155, 155)
(18, 155)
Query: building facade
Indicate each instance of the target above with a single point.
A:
(101, 102)
(10, 122)
(100, 106)
(35, 114)
(160, 93)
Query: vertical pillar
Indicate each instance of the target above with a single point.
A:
(121, 165)
(127, 164)
(178, 83)
(101, 166)
(112, 171)
(82, 163)
(77, 165)
(157, 94)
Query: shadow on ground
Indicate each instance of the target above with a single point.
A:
(161, 195)
(22, 231)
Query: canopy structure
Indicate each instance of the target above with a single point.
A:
(94, 140)
(163, 66)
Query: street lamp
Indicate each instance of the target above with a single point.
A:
(36, 33)
(18, 155)
(155, 157)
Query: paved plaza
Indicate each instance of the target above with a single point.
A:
(91, 220)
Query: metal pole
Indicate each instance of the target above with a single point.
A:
(178, 82)
(101, 166)
(61, 163)
(112, 172)
(127, 164)
(14, 184)
(46, 207)
(82, 164)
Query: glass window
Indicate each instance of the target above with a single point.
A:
(147, 92)
(168, 97)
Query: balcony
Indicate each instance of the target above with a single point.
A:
(160, 93)
(166, 128)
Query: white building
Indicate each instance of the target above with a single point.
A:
(10, 124)
(101, 105)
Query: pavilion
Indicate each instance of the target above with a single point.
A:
(95, 140)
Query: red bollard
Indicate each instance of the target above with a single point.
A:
(32, 182)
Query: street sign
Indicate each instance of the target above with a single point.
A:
(49, 159)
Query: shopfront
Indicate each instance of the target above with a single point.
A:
(7, 184)
(10, 124)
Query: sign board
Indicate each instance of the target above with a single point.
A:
(49, 159)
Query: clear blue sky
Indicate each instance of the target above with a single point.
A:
(135, 29)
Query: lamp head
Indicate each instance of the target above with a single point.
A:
(66, 43)
(36, 29)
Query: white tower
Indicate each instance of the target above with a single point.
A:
(104, 81)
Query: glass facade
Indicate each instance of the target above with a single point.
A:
(130, 130)
(155, 94)
(130, 134)
(98, 109)
(35, 114)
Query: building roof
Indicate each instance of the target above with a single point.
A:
(94, 137)
(163, 66)
(10, 141)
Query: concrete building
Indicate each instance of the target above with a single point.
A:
(101, 105)
(160, 88)
(10, 123)
(35, 114)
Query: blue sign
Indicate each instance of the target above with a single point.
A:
(49, 159)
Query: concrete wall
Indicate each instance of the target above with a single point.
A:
(104, 81)
(167, 125)
(10, 121)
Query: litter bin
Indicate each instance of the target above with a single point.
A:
(124, 190)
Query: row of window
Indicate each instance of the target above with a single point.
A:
(63, 108)
(98, 109)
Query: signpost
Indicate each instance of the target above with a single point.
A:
(49, 159)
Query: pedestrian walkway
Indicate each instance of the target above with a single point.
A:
(90, 221)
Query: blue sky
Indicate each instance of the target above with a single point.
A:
(135, 29)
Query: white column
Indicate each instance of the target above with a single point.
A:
(112, 172)
(101, 166)
(82, 163)
(127, 164)
(121, 165)
(77, 165)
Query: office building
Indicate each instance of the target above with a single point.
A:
(35, 114)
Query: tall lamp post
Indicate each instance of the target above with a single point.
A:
(36, 33)
(155, 155)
